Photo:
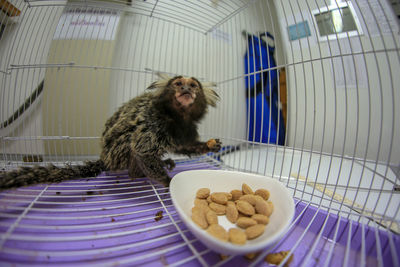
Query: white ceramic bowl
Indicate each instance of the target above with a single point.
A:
(184, 186)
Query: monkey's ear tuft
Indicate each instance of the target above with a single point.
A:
(161, 83)
(211, 96)
(152, 86)
(163, 76)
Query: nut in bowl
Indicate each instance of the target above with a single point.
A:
(185, 185)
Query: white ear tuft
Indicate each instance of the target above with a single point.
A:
(211, 96)
(209, 84)
(162, 82)
(163, 76)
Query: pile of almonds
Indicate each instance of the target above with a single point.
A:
(247, 209)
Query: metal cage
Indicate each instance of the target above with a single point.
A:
(334, 86)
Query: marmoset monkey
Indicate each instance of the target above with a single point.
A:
(161, 120)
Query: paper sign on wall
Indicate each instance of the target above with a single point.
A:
(299, 30)
(88, 24)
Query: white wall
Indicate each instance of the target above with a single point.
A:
(25, 42)
(356, 117)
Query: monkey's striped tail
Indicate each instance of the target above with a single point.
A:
(49, 174)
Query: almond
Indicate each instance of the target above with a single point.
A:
(247, 190)
(218, 208)
(211, 217)
(228, 195)
(203, 193)
(199, 217)
(261, 219)
(236, 194)
(271, 208)
(254, 231)
(245, 222)
(262, 207)
(237, 236)
(218, 231)
(200, 202)
(251, 256)
(220, 198)
(277, 258)
(245, 207)
(232, 213)
(251, 199)
(223, 257)
(264, 193)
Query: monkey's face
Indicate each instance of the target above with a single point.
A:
(186, 90)
(183, 96)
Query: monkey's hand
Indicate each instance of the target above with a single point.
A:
(152, 167)
(198, 148)
(214, 145)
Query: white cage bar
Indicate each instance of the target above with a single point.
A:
(66, 66)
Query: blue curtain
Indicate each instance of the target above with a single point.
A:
(265, 119)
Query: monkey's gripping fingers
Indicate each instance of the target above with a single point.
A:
(198, 148)
(214, 145)
(153, 168)
(169, 163)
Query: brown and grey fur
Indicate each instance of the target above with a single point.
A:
(137, 136)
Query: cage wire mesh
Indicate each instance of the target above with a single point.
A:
(309, 96)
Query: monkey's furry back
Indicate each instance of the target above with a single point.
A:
(141, 130)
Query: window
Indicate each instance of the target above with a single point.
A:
(336, 21)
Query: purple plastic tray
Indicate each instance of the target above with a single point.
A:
(111, 220)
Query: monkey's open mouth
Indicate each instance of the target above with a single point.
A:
(186, 98)
(186, 95)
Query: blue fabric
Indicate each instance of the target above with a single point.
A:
(259, 56)
(263, 113)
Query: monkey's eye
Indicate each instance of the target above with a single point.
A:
(178, 83)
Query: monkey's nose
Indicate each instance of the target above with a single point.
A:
(185, 89)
